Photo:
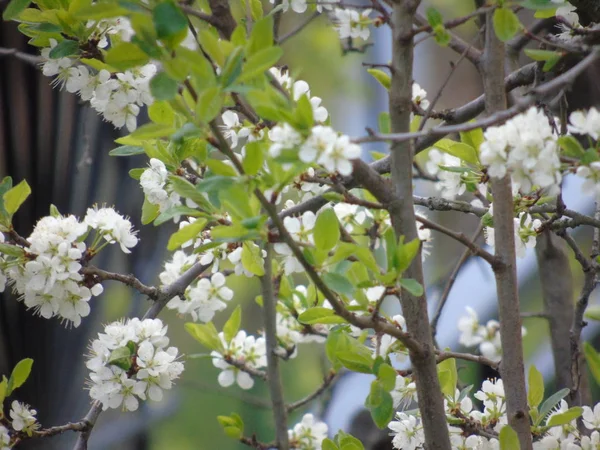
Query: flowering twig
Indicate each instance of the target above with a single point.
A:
(513, 369)
(53, 431)
(164, 295)
(25, 57)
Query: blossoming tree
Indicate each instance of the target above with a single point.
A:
(243, 157)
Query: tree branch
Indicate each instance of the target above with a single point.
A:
(275, 386)
(512, 369)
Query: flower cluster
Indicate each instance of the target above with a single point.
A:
(587, 123)
(526, 148)
(308, 434)
(130, 361)
(248, 352)
(117, 96)
(300, 6)
(487, 336)
(48, 277)
(23, 418)
(154, 184)
(297, 89)
(350, 24)
(525, 233)
(451, 183)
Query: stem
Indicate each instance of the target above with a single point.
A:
(273, 373)
(402, 214)
(512, 367)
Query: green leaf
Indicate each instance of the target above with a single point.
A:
(121, 357)
(14, 8)
(405, 253)
(11, 250)
(571, 146)
(126, 55)
(254, 159)
(566, 417)
(261, 61)
(434, 17)
(64, 48)
(348, 442)
(152, 131)
(150, 212)
(163, 87)
(387, 376)
(209, 104)
(206, 334)
(187, 190)
(338, 283)
(551, 402)
(356, 362)
(461, 150)
(326, 232)
(98, 11)
(538, 5)
(328, 444)
(383, 78)
(412, 286)
(233, 426)
(592, 312)
(319, 314)
(170, 23)
(232, 325)
(381, 405)
(186, 233)
(506, 24)
(536, 387)
(261, 36)
(449, 380)
(252, 259)
(235, 199)
(550, 57)
(14, 197)
(232, 68)
(473, 138)
(127, 150)
(509, 440)
(3, 389)
(175, 211)
(19, 375)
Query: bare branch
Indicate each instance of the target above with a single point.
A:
(328, 380)
(101, 275)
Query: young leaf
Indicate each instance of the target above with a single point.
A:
(412, 286)
(593, 360)
(19, 375)
(3, 389)
(170, 23)
(509, 440)
(121, 357)
(252, 259)
(126, 55)
(506, 24)
(232, 325)
(565, 417)
(327, 230)
(536, 387)
(150, 212)
(209, 104)
(450, 380)
(382, 77)
(356, 362)
(14, 8)
(186, 233)
(551, 402)
(381, 405)
(571, 146)
(15, 197)
(64, 48)
(261, 36)
(338, 283)
(206, 334)
(387, 376)
(319, 314)
(126, 150)
(261, 61)
(163, 87)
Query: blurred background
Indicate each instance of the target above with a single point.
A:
(61, 148)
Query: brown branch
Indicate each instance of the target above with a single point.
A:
(513, 368)
(444, 355)
(21, 56)
(101, 275)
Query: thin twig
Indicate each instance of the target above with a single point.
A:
(299, 28)
(130, 280)
(328, 380)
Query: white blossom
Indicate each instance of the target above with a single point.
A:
(249, 350)
(451, 184)
(308, 434)
(407, 432)
(350, 24)
(123, 383)
(404, 392)
(154, 184)
(4, 438)
(112, 226)
(23, 418)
